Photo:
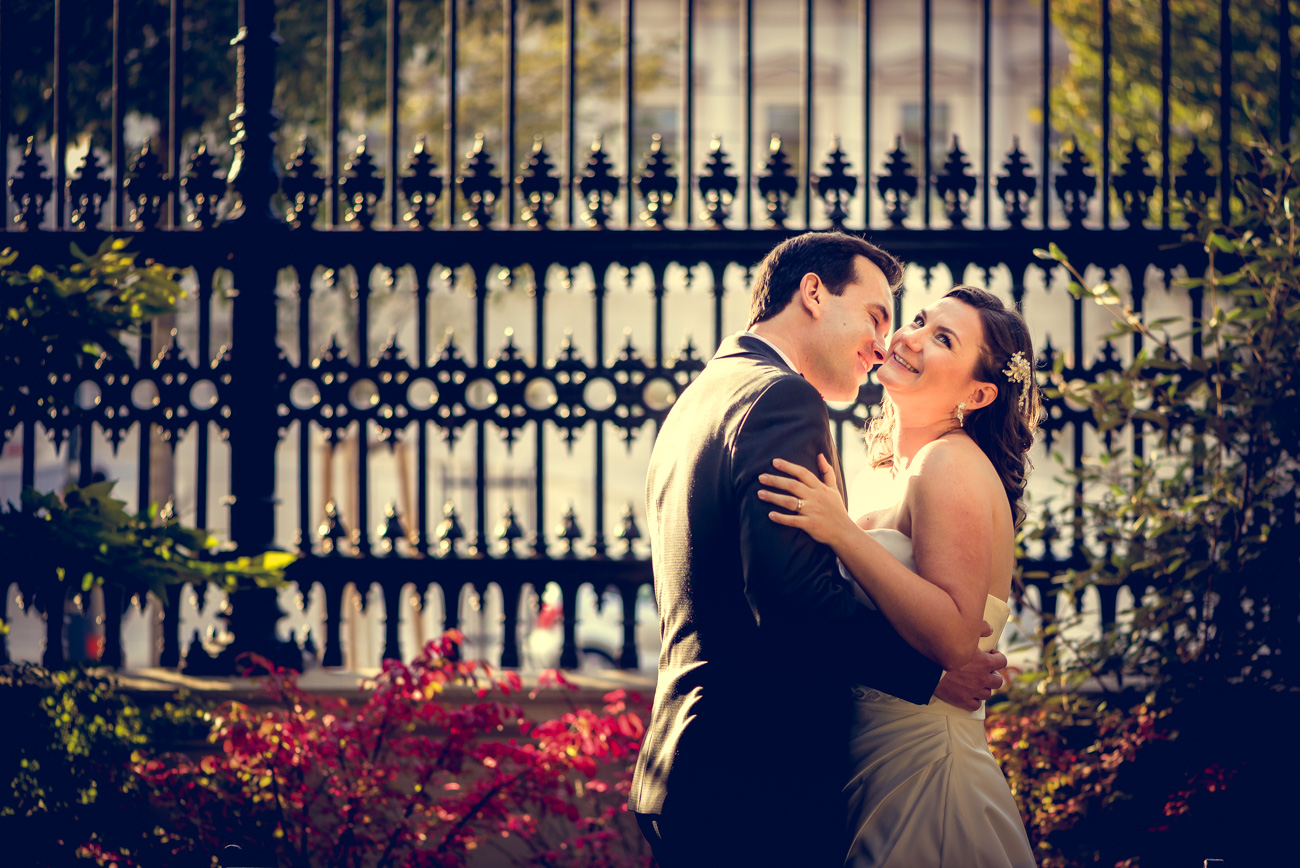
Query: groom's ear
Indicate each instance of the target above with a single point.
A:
(811, 294)
(982, 396)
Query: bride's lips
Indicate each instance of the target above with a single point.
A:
(898, 360)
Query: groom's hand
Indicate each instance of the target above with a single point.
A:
(975, 682)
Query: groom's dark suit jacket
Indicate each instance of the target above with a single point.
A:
(762, 638)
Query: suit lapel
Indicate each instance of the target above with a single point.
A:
(743, 344)
(835, 465)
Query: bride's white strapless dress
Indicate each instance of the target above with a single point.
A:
(925, 791)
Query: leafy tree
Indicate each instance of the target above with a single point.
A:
(57, 326)
(1201, 527)
(1135, 91)
(208, 64)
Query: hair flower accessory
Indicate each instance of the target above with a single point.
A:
(1019, 371)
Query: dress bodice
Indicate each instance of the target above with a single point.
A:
(996, 612)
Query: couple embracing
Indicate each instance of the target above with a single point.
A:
(824, 668)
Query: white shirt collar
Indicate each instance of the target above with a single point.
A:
(783, 356)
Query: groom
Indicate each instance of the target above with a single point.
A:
(745, 754)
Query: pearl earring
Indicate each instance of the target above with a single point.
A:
(961, 415)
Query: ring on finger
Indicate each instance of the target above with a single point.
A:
(798, 504)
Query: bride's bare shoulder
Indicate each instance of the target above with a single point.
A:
(955, 460)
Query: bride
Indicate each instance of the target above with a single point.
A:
(942, 497)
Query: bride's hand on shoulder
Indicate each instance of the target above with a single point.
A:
(810, 504)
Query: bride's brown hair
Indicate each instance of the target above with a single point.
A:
(1005, 428)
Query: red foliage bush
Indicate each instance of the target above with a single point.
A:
(1063, 765)
(405, 779)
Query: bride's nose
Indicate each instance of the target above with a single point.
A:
(910, 338)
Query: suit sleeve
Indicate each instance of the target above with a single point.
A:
(792, 582)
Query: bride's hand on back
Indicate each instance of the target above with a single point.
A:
(812, 505)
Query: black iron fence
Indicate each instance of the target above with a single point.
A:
(682, 219)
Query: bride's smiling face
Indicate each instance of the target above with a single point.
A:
(930, 366)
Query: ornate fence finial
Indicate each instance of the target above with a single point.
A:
(629, 533)
(87, 191)
(717, 186)
(1016, 186)
(1076, 184)
(146, 187)
(569, 531)
(449, 531)
(599, 185)
(777, 185)
(897, 185)
(956, 185)
(30, 188)
(202, 187)
(837, 186)
(331, 529)
(539, 186)
(362, 185)
(302, 186)
(1196, 183)
(657, 185)
(508, 531)
(479, 186)
(1134, 185)
(391, 531)
(421, 185)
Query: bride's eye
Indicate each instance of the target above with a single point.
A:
(919, 320)
(944, 339)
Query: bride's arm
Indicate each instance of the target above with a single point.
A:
(939, 613)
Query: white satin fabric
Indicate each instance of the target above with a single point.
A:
(925, 792)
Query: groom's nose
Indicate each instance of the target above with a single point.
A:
(880, 350)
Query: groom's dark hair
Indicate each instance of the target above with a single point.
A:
(829, 255)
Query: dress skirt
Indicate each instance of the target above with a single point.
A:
(926, 791)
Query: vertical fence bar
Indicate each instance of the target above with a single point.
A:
(1076, 542)
(333, 60)
(201, 445)
(479, 545)
(449, 130)
(60, 143)
(747, 106)
(600, 271)
(304, 425)
(509, 26)
(362, 531)
(629, 117)
(1105, 113)
(1284, 69)
(1045, 171)
(688, 108)
(119, 154)
(806, 120)
(539, 465)
(1225, 110)
(174, 83)
(986, 69)
(1166, 60)
(254, 235)
(927, 103)
(393, 68)
(570, 77)
(5, 110)
(422, 436)
(864, 19)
